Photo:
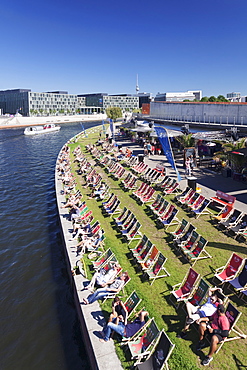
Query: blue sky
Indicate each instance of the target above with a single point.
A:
(100, 46)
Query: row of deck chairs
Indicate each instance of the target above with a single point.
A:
(129, 182)
(150, 260)
(194, 289)
(233, 223)
(128, 225)
(144, 194)
(112, 205)
(189, 242)
(193, 201)
(153, 175)
(164, 212)
(168, 185)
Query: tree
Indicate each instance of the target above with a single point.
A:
(204, 99)
(114, 113)
(212, 99)
(222, 98)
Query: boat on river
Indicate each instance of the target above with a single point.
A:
(36, 130)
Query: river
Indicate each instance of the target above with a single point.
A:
(39, 325)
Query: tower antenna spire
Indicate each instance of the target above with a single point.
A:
(137, 86)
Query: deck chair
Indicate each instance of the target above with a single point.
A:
(144, 253)
(162, 208)
(180, 230)
(183, 194)
(185, 237)
(102, 259)
(224, 214)
(199, 252)
(138, 249)
(199, 293)
(123, 224)
(230, 270)
(203, 209)
(197, 204)
(242, 224)
(182, 290)
(158, 358)
(149, 262)
(135, 233)
(187, 197)
(240, 282)
(121, 216)
(132, 302)
(158, 270)
(140, 346)
(171, 219)
(232, 220)
(188, 246)
(233, 316)
(172, 189)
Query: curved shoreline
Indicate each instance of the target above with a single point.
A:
(100, 356)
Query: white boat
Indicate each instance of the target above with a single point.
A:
(36, 130)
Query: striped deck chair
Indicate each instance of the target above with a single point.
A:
(154, 360)
(185, 248)
(183, 290)
(144, 253)
(199, 252)
(203, 209)
(158, 270)
(140, 246)
(122, 215)
(230, 270)
(102, 259)
(172, 189)
(180, 230)
(139, 347)
(186, 198)
(182, 195)
(135, 233)
(122, 225)
(171, 219)
(197, 203)
(185, 237)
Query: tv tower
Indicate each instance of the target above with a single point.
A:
(137, 86)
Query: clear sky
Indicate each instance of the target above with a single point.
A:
(100, 46)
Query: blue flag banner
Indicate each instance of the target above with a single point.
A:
(83, 128)
(103, 127)
(166, 146)
(111, 127)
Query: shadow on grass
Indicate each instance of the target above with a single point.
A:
(231, 247)
(239, 364)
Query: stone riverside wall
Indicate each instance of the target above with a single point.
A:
(224, 113)
(101, 355)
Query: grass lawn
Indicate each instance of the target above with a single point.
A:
(156, 297)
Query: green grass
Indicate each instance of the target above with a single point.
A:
(156, 297)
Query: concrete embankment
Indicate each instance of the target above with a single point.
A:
(101, 355)
(19, 121)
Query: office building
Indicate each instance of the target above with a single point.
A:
(179, 96)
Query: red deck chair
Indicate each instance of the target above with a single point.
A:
(185, 288)
(230, 270)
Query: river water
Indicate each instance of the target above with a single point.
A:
(39, 326)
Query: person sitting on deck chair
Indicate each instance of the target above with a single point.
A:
(206, 310)
(123, 328)
(218, 327)
(113, 287)
(102, 277)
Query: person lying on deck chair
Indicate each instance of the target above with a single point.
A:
(198, 313)
(113, 287)
(217, 326)
(102, 277)
(89, 243)
(123, 328)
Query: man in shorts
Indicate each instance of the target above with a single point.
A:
(217, 327)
